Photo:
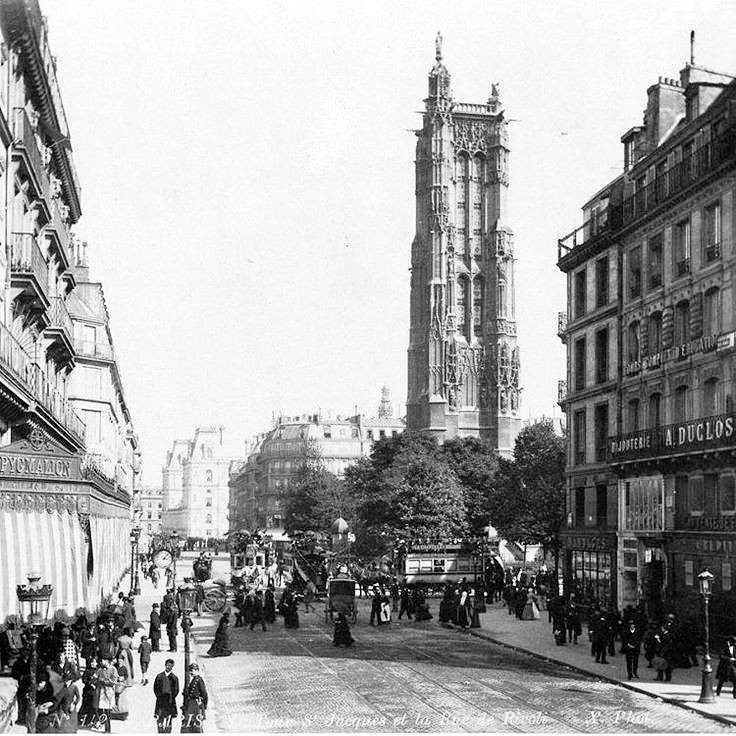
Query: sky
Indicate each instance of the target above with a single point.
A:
(247, 173)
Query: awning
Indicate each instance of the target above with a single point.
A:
(51, 544)
(110, 557)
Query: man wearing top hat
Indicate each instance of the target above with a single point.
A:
(727, 665)
(154, 630)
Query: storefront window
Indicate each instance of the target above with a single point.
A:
(591, 576)
(728, 493)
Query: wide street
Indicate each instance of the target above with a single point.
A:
(408, 677)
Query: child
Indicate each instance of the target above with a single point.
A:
(145, 653)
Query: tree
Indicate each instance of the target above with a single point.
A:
(475, 464)
(529, 493)
(313, 499)
(405, 488)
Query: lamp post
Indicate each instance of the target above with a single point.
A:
(705, 579)
(174, 537)
(136, 535)
(187, 597)
(33, 609)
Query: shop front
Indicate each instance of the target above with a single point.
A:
(63, 521)
(590, 567)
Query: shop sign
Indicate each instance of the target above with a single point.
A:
(35, 466)
(704, 344)
(726, 341)
(699, 434)
(712, 546)
(588, 543)
(711, 523)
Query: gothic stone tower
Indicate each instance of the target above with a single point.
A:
(463, 357)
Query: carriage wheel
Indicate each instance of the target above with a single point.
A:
(215, 600)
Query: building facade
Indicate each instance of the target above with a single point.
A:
(274, 457)
(66, 519)
(151, 505)
(463, 358)
(195, 486)
(650, 357)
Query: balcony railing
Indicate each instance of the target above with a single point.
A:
(26, 258)
(26, 139)
(95, 350)
(15, 360)
(713, 252)
(698, 435)
(561, 324)
(672, 182)
(59, 317)
(643, 518)
(680, 176)
(62, 232)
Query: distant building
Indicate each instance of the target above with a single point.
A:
(463, 361)
(195, 486)
(256, 485)
(151, 508)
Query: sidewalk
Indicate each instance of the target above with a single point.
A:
(535, 637)
(140, 699)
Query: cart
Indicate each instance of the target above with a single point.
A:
(341, 599)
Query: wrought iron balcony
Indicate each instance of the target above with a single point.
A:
(697, 435)
(586, 232)
(683, 267)
(28, 267)
(16, 361)
(25, 141)
(713, 252)
(61, 329)
(561, 325)
(89, 349)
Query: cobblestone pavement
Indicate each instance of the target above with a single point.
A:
(409, 677)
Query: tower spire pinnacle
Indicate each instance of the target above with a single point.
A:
(438, 47)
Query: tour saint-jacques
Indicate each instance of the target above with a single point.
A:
(456, 565)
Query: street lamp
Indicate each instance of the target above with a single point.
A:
(33, 610)
(187, 599)
(705, 579)
(135, 586)
(174, 537)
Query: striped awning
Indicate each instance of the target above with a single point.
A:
(110, 557)
(51, 544)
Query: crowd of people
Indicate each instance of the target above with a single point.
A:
(86, 667)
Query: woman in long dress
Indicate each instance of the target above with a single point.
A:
(531, 609)
(90, 697)
(221, 646)
(120, 712)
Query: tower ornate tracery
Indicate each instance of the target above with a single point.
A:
(463, 356)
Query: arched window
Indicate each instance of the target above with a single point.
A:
(710, 397)
(208, 502)
(655, 410)
(633, 347)
(208, 519)
(655, 333)
(711, 312)
(681, 403)
(682, 322)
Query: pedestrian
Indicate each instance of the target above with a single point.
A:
(376, 606)
(289, 607)
(665, 652)
(463, 611)
(125, 680)
(221, 645)
(171, 628)
(342, 635)
(11, 643)
(615, 628)
(572, 620)
(309, 593)
(199, 599)
(107, 677)
(194, 705)
(144, 652)
(558, 612)
(166, 690)
(631, 646)
(269, 605)
(90, 696)
(599, 636)
(21, 673)
(154, 628)
(519, 601)
(726, 671)
(125, 649)
(257, 614)
(405, 603)
(531, 609)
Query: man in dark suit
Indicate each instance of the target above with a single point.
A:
(166, 689)
(727, 666)
(171, 628)
(154, 630)
(631, 646)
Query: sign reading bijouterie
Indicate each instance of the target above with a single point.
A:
(704, 344)
(711, 523)
(697, 435)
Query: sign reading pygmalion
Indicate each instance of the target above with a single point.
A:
(38, 466)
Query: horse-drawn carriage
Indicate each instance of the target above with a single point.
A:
(215, 595)
(341, 599)
(202, 568)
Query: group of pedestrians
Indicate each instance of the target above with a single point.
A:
(256, 606)
(460, 605)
